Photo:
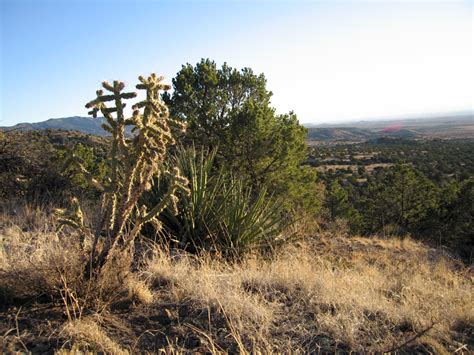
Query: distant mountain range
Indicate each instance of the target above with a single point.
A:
(450, 126)
(355, 134)
(86, 125)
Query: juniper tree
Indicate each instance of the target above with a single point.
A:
(401, 196)
(230, 110)
(336, 200)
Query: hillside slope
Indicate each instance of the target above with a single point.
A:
(325, 294)
(86, 125)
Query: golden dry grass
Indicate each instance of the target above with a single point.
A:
(87, 334)
(324, 293)
(310, 296)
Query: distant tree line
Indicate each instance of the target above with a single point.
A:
(427, 193)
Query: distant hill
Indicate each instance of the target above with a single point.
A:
(354, 134)
(338, 133)
(86, 125)
(448, 127)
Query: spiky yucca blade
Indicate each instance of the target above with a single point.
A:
(220, 214)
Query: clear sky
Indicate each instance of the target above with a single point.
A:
(326, 60)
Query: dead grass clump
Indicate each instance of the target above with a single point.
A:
(42, 263)
(27, 217)
(214, 289)
(35, 263)
(349, 294)
(86, 335)
(138, 291)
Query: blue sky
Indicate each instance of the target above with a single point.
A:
(327, 61)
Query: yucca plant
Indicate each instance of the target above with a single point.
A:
(249, 221)
(220, 213)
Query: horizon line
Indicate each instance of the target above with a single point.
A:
(408, 116)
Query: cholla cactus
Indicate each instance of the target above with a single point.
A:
(133, 161)
(71, 216)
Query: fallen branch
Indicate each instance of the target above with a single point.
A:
(416, 336)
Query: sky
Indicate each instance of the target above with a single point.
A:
(328, 61)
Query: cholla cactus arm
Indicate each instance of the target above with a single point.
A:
(178, 183)
(115, 126)
(90, 177)
(72, 217)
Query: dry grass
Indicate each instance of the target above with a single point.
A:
(327, 293)
(138, 291)
(34, 261)
(37, 262)
(87, 334)
(373, 297)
